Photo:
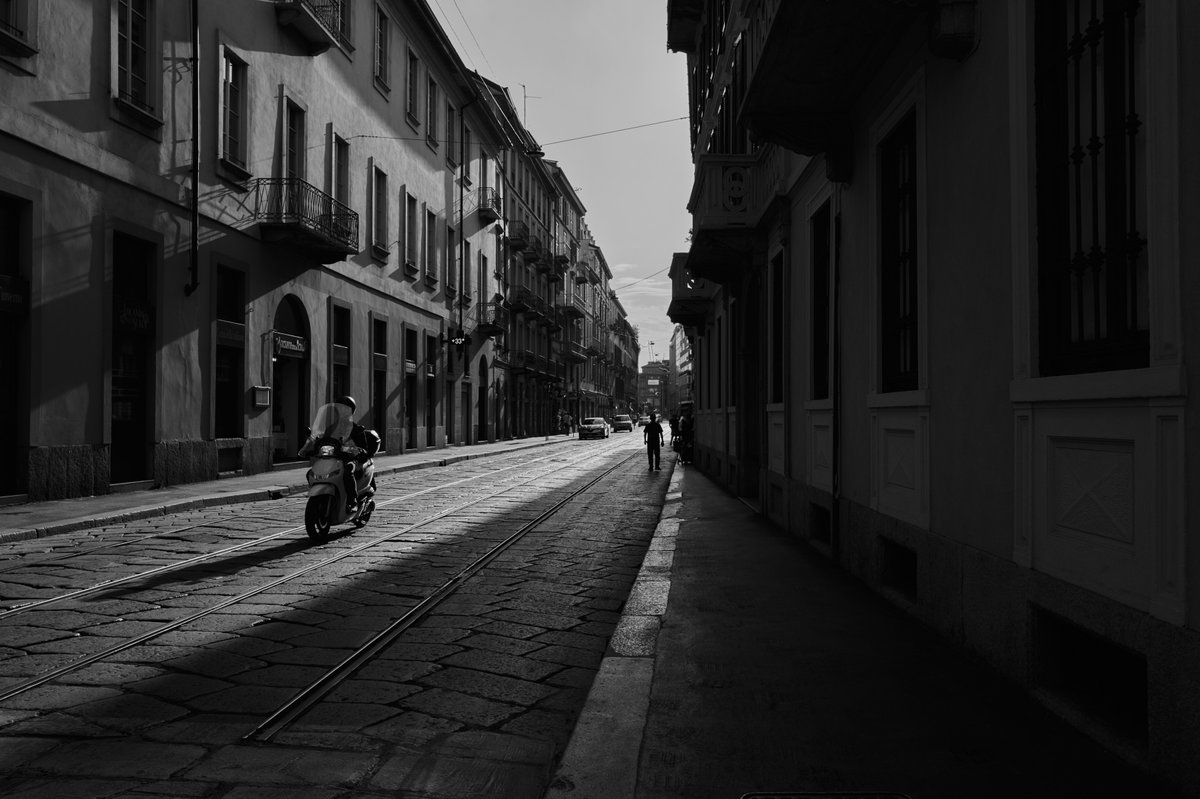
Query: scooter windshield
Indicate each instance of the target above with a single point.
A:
(333, 421)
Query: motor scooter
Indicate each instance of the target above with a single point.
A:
(331, 451)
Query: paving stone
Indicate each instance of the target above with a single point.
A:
(8, 717)
(205, 729)
(396, 670)
(281, 675)
(343, 639)
(435, 635)
(367, 691)
(460, 707)
(428, 652)
(275, 792)
(549, 621)
(250, 646)
(307, 656)
(337, 740)
(499, 663)
(345, 716)
(279, 631)
(62, 788)
(568, 656)
(32, 665)
(214, 663)
(220, 622)
(179, 686)
(174, 789)
(128, 712)
(546, 725)
(128, 757)
(510, 629)
(104, 673)
(18, 750)
(23, 636)
(273, 765)
(495, 643)
(490, 686)
(58, 725)
(243, 699)
(54, 697)
(592, 643)
(496, 746)
(193, 638)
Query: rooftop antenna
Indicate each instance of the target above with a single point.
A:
(525, 97)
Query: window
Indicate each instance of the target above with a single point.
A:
(431, 111)
(466, 270)
(899, 334)
(411, 99)
(233, 109)
(294, 153)
(451, 134)
(412, 237)
(431, 262)
(779, 327)
(820, 230)
(18, 25)
(340, 338)
(342, 21)
(1093, 279)
(341, 170)
(230, 367)
(451, 249)
(134, 79)
(381, 48)
(380, 244)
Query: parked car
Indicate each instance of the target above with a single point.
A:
(643, 421)
(593, 427)
(622, 422)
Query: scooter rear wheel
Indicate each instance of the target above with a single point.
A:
(364, 515)
(316, 517)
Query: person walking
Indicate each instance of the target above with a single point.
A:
(652, 434)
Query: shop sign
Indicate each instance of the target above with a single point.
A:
(290, 346)
(132, 315)
(14, 294)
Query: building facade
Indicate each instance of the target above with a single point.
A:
(214, 222)
(936, 301)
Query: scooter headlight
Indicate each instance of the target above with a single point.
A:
(326, 451)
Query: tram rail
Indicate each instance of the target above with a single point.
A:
(49, 676)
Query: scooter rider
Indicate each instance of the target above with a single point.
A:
(368, 442)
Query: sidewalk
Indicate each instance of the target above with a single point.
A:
(38, 519)
(745, 661)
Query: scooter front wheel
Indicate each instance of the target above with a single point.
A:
(316, 517)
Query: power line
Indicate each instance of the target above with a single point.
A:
(617, 130)
(477, 45)
(644, 279)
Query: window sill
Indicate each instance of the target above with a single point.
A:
(1154, 381)
(382, 87)
(899, 399)
(825, 404)
(410, 269)
(143, 120)
(379, 253)
(431, 280)
(432, 143)
(16, 46)
(412, 120)
(234, 173)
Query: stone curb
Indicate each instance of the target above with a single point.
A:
(223, 498)
(601, 759)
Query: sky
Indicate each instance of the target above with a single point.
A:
(580, 68)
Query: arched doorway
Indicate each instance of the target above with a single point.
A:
(291, 356)
(482, 401)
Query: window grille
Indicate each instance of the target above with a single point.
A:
(1092, 269)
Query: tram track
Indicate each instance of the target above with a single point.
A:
(107, 585)
(137, 640)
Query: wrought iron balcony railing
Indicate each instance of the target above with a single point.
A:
(489, 204)
(322, 23)
(290, 209)
(491, 318)
(518, 235)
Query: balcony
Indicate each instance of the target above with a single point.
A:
(518, 235)
(574, 352)
(527, 302)
(292, 211)
(491, 319)
(489, 204)
(575, 307)
(321, 23)
(691, 298)
(810, 63)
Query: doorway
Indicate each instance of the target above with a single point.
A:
(291, 355)
(131, 387)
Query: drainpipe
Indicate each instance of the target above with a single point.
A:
(194, 253)
(835, 387)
